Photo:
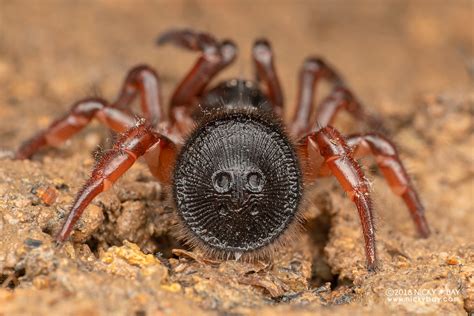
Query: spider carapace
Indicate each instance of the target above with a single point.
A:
(236, 171)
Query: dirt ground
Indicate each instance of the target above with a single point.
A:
(411, 62)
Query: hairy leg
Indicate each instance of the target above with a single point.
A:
(138, 141)
(331, 146)
(263, 59)
(388, 161)
(215, 56)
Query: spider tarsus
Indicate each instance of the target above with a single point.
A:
(373, 267)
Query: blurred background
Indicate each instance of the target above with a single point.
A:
(390, 52)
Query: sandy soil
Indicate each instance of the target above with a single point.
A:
(410, 62)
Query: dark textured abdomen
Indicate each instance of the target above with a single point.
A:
(237, 181)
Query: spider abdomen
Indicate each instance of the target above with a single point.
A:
(237, 184)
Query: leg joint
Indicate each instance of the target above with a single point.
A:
(89, 107)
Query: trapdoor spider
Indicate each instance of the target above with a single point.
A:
(237, 178)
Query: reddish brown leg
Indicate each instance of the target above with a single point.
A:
(394, 172)
(75, 120)
(313, 70)
(264, 64)
(142, 80)
(136, 142)
(341, 98)
(215, 56)
(337, 157)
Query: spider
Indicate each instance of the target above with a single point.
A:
(236, 173)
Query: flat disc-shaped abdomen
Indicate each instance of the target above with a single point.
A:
(237, 183)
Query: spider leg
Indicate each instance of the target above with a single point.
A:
(388, 161)
(142, 80)
(80, 114)
(341, 98)
(137, 141)
(329, 143)
(215, 56)
(312, 71)
(263, 59)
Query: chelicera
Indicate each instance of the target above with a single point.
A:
(236, 172)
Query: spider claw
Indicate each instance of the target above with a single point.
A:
(373, 267)
(58, 244)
